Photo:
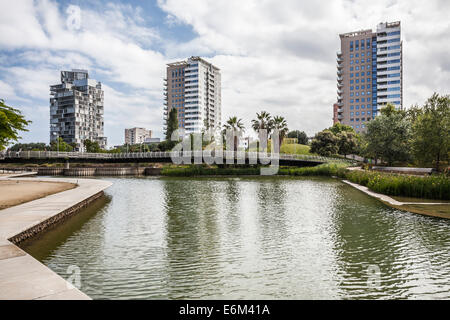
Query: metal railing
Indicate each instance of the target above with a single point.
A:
(165, 155)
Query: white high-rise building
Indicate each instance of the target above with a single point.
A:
(137, 135)
(369, 74)
(193, 88)
(76, 109)
(389, 64)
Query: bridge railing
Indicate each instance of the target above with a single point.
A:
(164, 155)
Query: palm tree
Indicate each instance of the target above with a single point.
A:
(280, 124)
(235, 124)
(263, 121)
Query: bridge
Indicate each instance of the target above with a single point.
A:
(197, 157)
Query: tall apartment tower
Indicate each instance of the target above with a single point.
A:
(76, 109)
(193, 88)
(369, 74)
(137, 135)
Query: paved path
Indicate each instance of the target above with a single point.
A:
(22, 276)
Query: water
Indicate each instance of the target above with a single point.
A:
(248, 238)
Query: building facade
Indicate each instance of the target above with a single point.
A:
(369, 74)
(137, 135)
(193, 88)
(76, 109)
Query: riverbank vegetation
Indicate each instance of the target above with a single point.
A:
(426, 187)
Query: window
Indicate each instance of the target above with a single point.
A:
(351, 55)
(357, 80)
(357, 87)
(351, 75)
(357, 74)
(351, 87)
(393, 33)
(351, 94)
(351, 81)
(351, 114)
(352, 107)
(362, 87)
(351, 68)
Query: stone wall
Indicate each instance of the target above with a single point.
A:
(60, 217)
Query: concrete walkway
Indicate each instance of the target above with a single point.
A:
(384, 197)
(22, 276)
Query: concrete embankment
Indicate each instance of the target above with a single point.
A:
(99, 171)
(22, 276)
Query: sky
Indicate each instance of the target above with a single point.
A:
(277, 56)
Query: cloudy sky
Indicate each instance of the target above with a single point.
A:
(278, 56)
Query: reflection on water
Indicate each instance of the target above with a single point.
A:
(252, 238)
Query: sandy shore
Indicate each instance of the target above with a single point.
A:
(14, 192)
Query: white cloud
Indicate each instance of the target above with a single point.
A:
(274, 56)
(281, 56)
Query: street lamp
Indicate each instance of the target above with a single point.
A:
(57, 141)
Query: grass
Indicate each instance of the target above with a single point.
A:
(295, 148)
(428, 187)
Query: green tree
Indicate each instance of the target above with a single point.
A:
(388, 136)
(325, 143)
(92, 146)
(33, 146)
(263, 121)
(431, 131)
(301, 136)
(347, 142)
(339, 127)
(60, 145)
(280, 124)
(172, 123)
(235, 124)
(11, 122)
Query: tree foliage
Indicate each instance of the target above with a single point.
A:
(325, 143)
(431, 130)
(172, 123)
(11, 122)
(92, 146)
(60, 145)
(33, 146)
(279, 123)
(301, 136)
(388, 136)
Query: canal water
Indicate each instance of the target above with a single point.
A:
(247, 238)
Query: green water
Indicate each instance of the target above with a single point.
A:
(248, 238)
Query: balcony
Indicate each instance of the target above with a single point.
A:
(338, 59)
(340, 116)
(339, 72)
(339, 79)
(340, 66)
(340, 110)
(340, 85)
(340, 92)
(340, 104)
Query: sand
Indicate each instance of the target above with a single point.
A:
(14, 192)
